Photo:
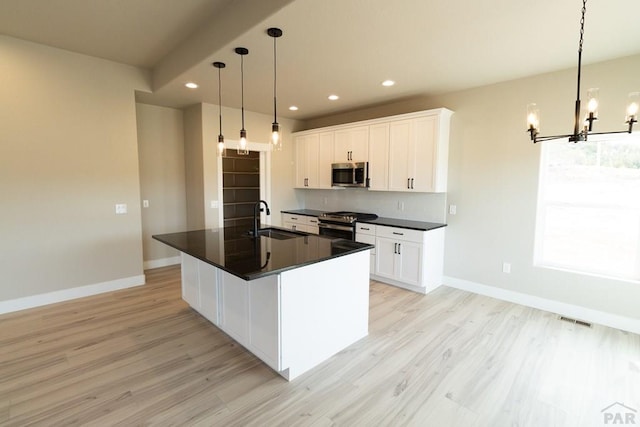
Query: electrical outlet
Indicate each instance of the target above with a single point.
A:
(325, 201)
(506, 267)
(453, 209)
(400, 205)
(121, 208)
(145, 203)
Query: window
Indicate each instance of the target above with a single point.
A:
(589, 207)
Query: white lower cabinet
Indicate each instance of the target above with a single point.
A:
(249, 314)
(200, 287)
(366, 233)
(304, 223)
(411, 259)
(292, 321)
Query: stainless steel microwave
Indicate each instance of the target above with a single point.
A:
(350, 174)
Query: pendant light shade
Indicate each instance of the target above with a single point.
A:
(276, 136)
(221, 147)
(242, 144)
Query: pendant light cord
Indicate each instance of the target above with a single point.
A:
(275, 82)
(242, 87)
(220, 99)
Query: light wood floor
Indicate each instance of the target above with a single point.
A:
(142, 357)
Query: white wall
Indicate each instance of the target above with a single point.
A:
(68, 154)
(493, 180)
(428, 207)
(162, 178)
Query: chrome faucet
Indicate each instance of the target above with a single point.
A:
(256, 217)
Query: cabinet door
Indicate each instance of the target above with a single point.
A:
(351, 145)
(301, 162)
(312, 150)
(190, 281)
(208, 275)
(385, 257)
(400, 153)
(234, 318)
(422, 163)
(325, 158)
(307, 161)
(360, 144)
(264, 327)
(408, 263)
(342, 146)
(379, 157)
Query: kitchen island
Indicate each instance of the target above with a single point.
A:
(292, 299)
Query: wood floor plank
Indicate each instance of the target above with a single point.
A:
(141, 356)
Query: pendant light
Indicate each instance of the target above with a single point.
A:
(221, 147)
(242, 144)
(581, 134)
(276, 136)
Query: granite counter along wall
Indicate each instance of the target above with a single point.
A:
(430, 207)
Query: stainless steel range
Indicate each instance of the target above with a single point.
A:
(341, 224)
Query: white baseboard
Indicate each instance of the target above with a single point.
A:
(573, 311)
(162, 262)
(24, 303)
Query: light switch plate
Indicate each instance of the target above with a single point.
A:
(453, 209)
(145, 203)
(121, 208)
(214, 204)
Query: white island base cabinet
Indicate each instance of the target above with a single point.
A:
(293, 320)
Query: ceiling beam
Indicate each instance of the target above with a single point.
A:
(233, 21)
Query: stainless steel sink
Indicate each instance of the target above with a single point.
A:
(278, 234)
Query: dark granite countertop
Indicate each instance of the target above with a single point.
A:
(405, 223)
(232, 250)
(306, 212)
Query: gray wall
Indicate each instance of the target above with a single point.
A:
(493, 180)
(68, 154)
(162, 177)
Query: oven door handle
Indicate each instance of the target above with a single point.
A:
(334, 227)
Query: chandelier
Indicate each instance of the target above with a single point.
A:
(582, 131)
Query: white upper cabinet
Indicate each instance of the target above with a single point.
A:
(412, 155)
(314, 155)
(379, 157)
(307, 149)
(351, 145)
(407, 152)
(325, 158)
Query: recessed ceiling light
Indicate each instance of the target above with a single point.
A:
(293, 108)
(333, 97)
(191, 85)
(388, 83)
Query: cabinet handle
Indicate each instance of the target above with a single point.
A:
(399, 244)
(293, 227)
(398, 234)
(395, 248)
(408, 183)
(364, 228)
(412, 183)
(293, 218)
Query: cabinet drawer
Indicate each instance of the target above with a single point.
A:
(400, 233)
(311, 220)
(299, 219)
(362, 228)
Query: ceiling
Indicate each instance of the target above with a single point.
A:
(346, 47)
